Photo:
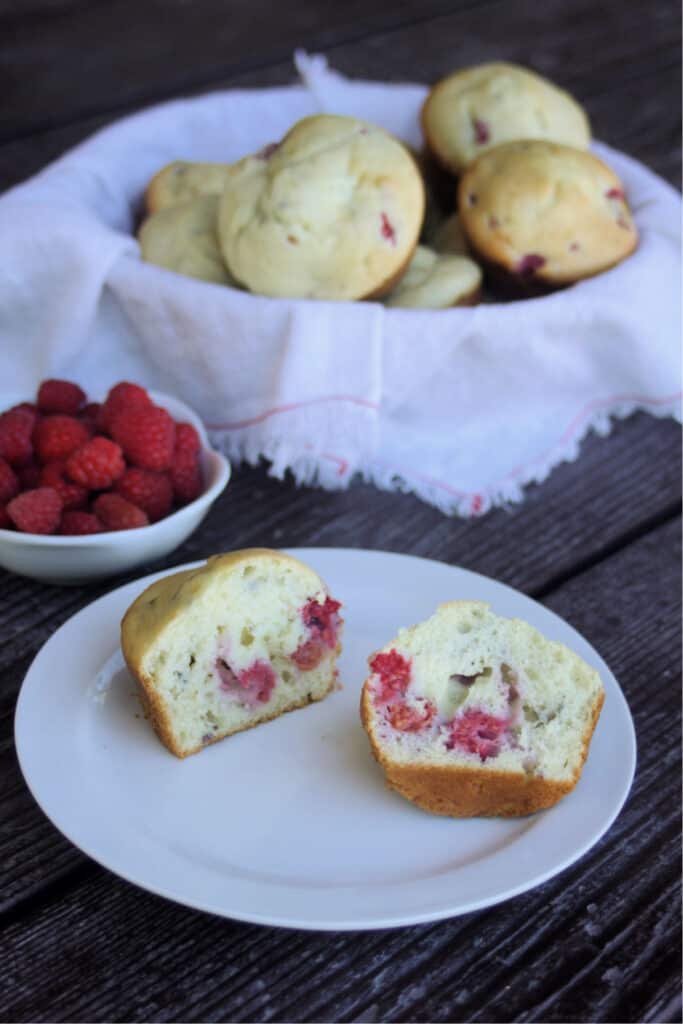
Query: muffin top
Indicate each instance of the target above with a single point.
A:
(332, 212)
(180, 182)
(546, 212)
(433, 281)
(473, 110)
(184, 239)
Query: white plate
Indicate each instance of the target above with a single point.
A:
(290, 824)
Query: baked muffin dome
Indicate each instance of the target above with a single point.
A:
(545, 213)
(183, 181)
(472, 714)
(184, 239)
(434, 281)
(475, 109)
(332, 212)
(238, 641)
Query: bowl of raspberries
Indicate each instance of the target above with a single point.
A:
(89, 489)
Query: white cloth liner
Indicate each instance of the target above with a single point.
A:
(463, 407)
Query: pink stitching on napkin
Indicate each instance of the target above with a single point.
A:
(292, 407)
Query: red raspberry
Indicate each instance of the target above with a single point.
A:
(394, 674)
(77, 523)
(5, 521)
(116, 513)
(56, 437)
(25, 407)
(478, 732)
(36, 511)
(60, 396)
(9, 483)
(97, 464)
(16, 427)
(187, 439)
(253, 685)
(121, 397)
(29, 476)
(72, 495)
(152, 492)
(90, 416)
(322, 622)
(186, 478)
(405, 718)
(146, 435)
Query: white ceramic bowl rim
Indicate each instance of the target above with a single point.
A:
(220, 471)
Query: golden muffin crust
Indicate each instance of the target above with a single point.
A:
(434, 281)
(184, 239)
(473, 110)
(182, 181)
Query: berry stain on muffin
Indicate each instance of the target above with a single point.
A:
(388, 230)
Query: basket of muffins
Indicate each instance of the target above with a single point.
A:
(504, 201)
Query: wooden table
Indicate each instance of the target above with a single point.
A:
(599, 543)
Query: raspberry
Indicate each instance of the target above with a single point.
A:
(478, 733)
(482, 133)
(90, 416)
(56, 437)
(77, 523)
(388, 230)
(36, 511)
(97, 464)
(29, 476)
(152, 492)
(394, 674)
(186, 478)
(5, 521)
(322, 622)
(187, 439)
(72, 495)
(16, 427)
(60, 396)
(121, 397)
(9, 483)
(405, 718)
(146, 435)
(252, 685)
(529, 264)
(116, 513)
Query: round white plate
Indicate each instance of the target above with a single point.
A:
(290, 823)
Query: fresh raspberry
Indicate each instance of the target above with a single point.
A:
(121, 397)
(60, 396)
(186, 478)
(394, 675)
(9, 482)
(97, 464)
(25, 407)
(146, 435)
(16, 427)
(36, 511)
(77, 523)
(187, 439)
(56, 437)
(405, 718)
(5, 521)
(72, 495)
(478, 733)
(29, 475)
(116, 513)
(152, 492)
(90, 416)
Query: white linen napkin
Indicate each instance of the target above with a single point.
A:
(463, 407)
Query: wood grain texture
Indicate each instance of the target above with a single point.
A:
(599, 942)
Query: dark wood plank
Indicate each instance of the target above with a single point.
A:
(599, 942)
(632, 94)
(585, 510)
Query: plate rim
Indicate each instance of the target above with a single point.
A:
(394, 920)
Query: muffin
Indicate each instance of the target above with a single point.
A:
(437, 282)
(470, 714)
(238, 641)
(475, 109)
(181, 182)
(184, 239)
(541, 214)
(448, 237)
(332, 212)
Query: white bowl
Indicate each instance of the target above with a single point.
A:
(79, 559)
